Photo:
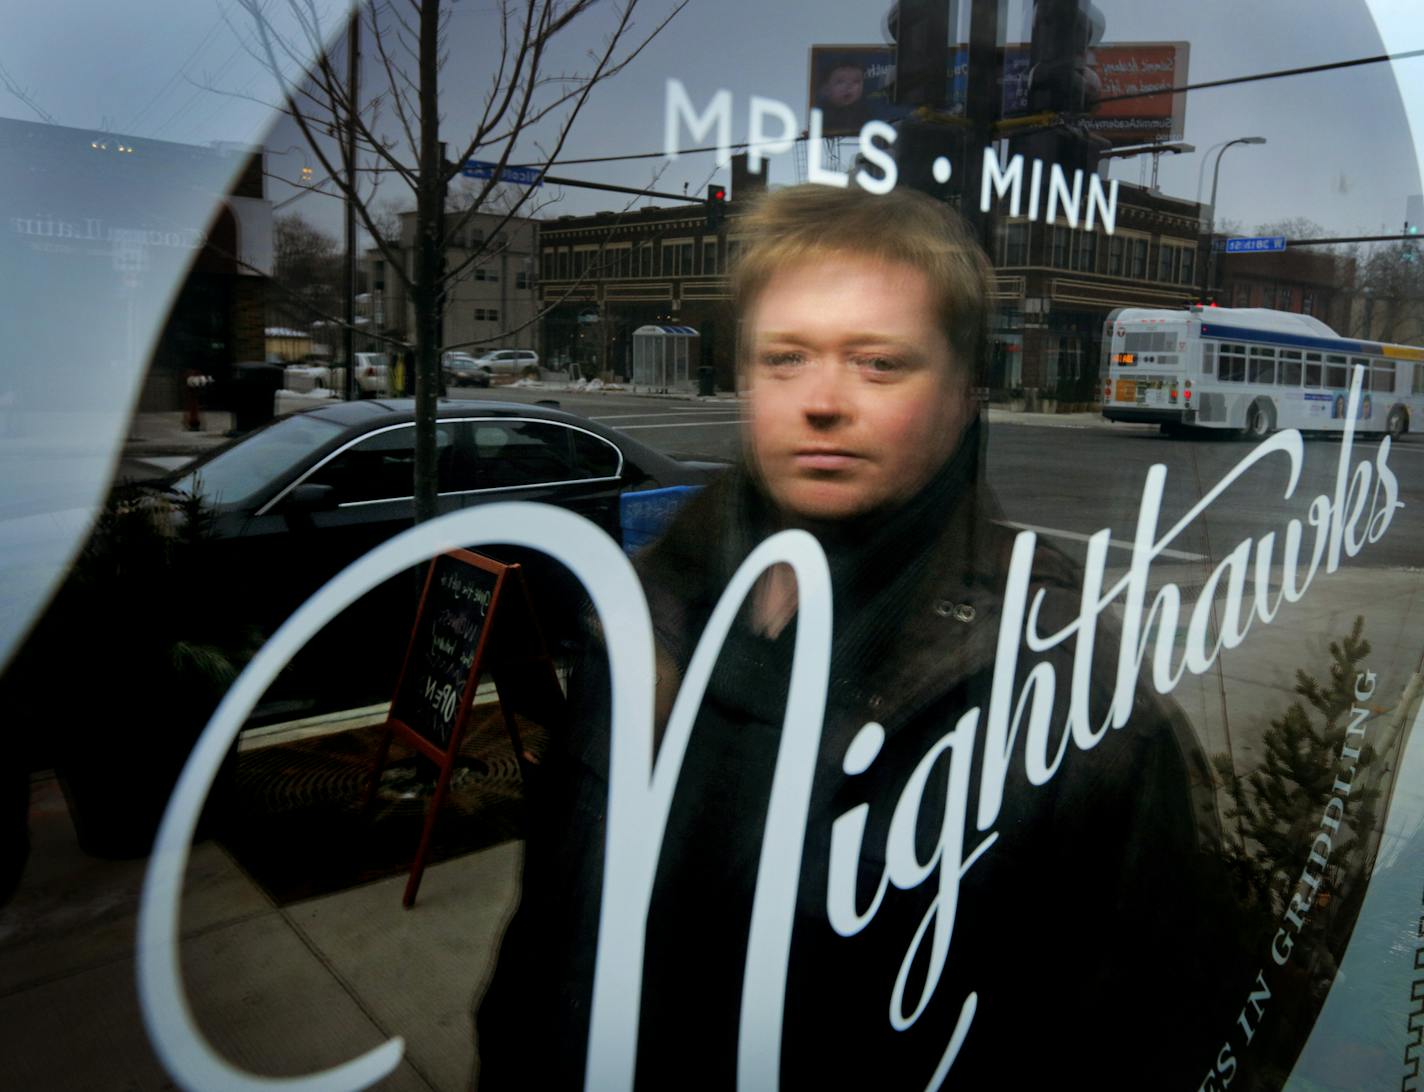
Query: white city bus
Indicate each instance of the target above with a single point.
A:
(1252, 370)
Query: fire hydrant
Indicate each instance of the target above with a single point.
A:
(193, 400)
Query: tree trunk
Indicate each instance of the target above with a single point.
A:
(429, 257)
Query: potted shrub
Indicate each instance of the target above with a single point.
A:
(138, 639)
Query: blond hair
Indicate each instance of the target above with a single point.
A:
(811, 222)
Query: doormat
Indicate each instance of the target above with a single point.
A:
(294, 815)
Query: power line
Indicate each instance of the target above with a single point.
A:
(1230, 81)
(1280, 73)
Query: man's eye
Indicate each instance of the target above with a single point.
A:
(781, 359)
(881, 365)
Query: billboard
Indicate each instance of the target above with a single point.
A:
(850, 85)
(1134, 88)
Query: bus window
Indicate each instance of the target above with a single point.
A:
(1263, 365)
(1232, 364)
(1418, 379)
(1312, 369)
(1290, 370)
(1208, 358)
(1335, 375)
(1382, 375)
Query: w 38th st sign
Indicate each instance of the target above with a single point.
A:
(1334, 526)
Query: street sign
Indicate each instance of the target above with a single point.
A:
(518, 176)
(1259, 243)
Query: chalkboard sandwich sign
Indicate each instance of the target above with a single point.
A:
(475, 615)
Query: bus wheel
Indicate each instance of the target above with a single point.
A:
(1397, 423)
(1258, 422)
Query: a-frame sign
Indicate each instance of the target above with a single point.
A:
(475, 616)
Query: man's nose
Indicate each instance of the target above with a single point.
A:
(826, 397)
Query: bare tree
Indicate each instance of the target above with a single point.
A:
(306, 272)
(520, 95)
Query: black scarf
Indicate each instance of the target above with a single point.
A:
(880, 563)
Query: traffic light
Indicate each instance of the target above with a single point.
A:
(716, 206)
(920, 31)
(1409, 249)
(1061, 77)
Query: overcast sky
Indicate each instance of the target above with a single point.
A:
(1339, 148)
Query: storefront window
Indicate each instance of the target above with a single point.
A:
(799, 545)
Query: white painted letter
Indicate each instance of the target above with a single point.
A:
(719, 113)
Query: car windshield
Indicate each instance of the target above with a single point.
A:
(240, 471)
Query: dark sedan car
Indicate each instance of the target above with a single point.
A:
(299, 499)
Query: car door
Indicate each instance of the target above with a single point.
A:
(356, 498)
(552, 463)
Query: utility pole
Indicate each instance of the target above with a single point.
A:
(353, 71)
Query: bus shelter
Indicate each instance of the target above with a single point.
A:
(663, 357)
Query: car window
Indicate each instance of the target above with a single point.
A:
(594, 457)
(382, 466)
(260, 460)
(510, 454)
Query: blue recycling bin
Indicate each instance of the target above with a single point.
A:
(645, 514)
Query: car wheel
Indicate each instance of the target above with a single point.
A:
(1397, 423)
(1258, 422)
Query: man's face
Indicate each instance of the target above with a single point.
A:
(854, 400)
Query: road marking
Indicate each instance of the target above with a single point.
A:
(680, 424)
(165, 462)
(671, 413)
(1077, 536)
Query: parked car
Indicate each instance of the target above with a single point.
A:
(298, 500)
(508, 361)
(373, 373)
(463, 370)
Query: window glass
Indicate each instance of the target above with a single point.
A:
(1139, 258)
(1263, 365)
(1289, 374)
(259, 462)
(1116, 246)
(381, 467)
(1104, 750)
(1313, 371)
(594, 457)
(511, 454)
(1231, 363)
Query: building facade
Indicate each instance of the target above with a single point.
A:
(492, 301)
(603, 277)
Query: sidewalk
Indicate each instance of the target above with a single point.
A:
(278, 990)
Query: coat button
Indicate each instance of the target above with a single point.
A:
(960, 612)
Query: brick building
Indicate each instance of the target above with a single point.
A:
(603, 277)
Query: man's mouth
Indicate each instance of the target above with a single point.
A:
(826, 458)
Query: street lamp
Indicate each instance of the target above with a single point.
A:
(1210, 263)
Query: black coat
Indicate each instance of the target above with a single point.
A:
(1091, 931)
